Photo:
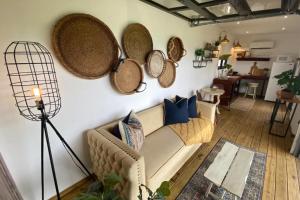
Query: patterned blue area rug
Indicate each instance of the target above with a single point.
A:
(196, 187)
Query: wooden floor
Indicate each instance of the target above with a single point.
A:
(250, 129)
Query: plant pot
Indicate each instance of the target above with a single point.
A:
(286, 94)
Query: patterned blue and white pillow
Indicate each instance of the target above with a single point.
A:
(131, 131)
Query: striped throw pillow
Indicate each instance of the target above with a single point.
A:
(132, 131)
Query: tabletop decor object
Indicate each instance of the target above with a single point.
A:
(155, 63)
(85, 45)
(137, 42)
(34, 84)
(175, 49)
(128, 76)
(167, 78)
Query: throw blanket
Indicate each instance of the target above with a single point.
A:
(197, 130)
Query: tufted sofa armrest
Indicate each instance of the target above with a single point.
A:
(207, 110)
(109, 154)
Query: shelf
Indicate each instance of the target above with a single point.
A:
(253, 59)
(201, 63)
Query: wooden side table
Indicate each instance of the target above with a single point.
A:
(289, 108)
(213, 92)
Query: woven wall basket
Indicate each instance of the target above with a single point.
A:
(128, 77)
(175, 49)
(85, 45)
(167, 78)
(137, 42)
(155, 63)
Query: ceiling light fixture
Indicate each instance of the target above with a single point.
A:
(225, 39)
(283, 28)
(285, 16)
(247, 32)
(238, 22)
(237, 45)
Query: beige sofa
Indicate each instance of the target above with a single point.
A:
(162, 155)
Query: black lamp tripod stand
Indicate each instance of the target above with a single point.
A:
(45, 134)
(34, 84)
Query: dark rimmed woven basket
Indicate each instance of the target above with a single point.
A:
(175, 49)
(127, 77)
(155, 63)
(167, 78)
(85, 45)
(137, 42)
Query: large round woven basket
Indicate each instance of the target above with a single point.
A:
(128, 77)
(85, 45)
(175, 49)
(137, 42)
(167, 78)
(155, 63)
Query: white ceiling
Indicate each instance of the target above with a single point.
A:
(264, 25)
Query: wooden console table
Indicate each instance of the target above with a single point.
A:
(230, 87)
(289, 108)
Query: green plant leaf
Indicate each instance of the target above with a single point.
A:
(199, 52)
(164, 189)
(95, 187)
(111, 180)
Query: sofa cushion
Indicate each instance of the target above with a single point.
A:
(176, 112)
(170, 168)
(192, 106)
(158, 148)
(131, 131)
(152, 119)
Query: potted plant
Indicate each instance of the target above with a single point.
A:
(199, 54)
(289, 83)
(106, 190)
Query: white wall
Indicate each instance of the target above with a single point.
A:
(285, 44)
(86, 103)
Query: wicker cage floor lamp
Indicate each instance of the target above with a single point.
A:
(34, 84)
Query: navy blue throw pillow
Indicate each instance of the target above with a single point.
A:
(176, 112)
(192, 105)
